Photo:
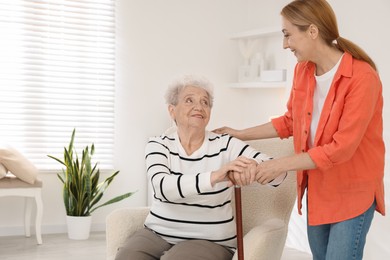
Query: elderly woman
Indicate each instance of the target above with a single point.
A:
(191, 216)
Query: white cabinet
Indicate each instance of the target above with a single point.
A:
(263, 60)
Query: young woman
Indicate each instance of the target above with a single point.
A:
(335, 117)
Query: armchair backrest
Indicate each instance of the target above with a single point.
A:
(261, 203)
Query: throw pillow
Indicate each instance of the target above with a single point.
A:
(3, 171)
(18, 165)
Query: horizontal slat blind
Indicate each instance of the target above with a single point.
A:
(57, 72)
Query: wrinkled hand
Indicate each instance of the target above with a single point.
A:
(246, 177)
(242, 170)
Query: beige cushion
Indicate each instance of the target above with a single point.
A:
(3, 171)
(18, 165)
(11, 182)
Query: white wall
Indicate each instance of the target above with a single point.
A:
(158, 40)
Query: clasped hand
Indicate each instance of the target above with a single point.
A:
(245, 171)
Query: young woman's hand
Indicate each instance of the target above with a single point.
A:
(226, 130)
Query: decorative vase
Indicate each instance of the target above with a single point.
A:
(78, 227)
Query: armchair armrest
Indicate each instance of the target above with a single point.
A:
(265, 241)
(120, 224)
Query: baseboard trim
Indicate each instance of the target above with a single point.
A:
(46, 229)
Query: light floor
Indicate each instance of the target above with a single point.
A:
(59, 247)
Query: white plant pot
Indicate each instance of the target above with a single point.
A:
(78, 227)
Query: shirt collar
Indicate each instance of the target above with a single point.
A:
(345, 68)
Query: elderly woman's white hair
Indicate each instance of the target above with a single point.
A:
(172, 94)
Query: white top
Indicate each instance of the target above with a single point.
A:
(321, 90)
(185, 205)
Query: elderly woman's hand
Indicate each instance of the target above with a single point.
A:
(246, 177)
(243, 172)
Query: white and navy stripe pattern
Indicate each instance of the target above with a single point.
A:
(185, 205)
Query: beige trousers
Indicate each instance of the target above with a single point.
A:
(146, 245)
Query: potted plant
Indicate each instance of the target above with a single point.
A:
(81, 188)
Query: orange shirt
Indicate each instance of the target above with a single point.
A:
(348, 146)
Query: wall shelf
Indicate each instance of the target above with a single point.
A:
(258, 33)
(261, 51)
(259, 84)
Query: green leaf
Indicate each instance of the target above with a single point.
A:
(116, 199)
(58, 160)
(81, 187)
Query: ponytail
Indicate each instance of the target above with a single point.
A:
(358, 53)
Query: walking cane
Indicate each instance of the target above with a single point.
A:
(240, 243)
(237, 197)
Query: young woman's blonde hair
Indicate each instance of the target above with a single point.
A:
(303, 13)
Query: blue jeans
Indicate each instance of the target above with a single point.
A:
(344, 240)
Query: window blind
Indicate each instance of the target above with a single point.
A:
(57, 73)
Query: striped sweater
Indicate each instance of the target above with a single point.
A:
(185, 205)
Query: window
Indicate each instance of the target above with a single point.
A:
(57, 72)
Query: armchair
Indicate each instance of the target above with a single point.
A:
(265, 212)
